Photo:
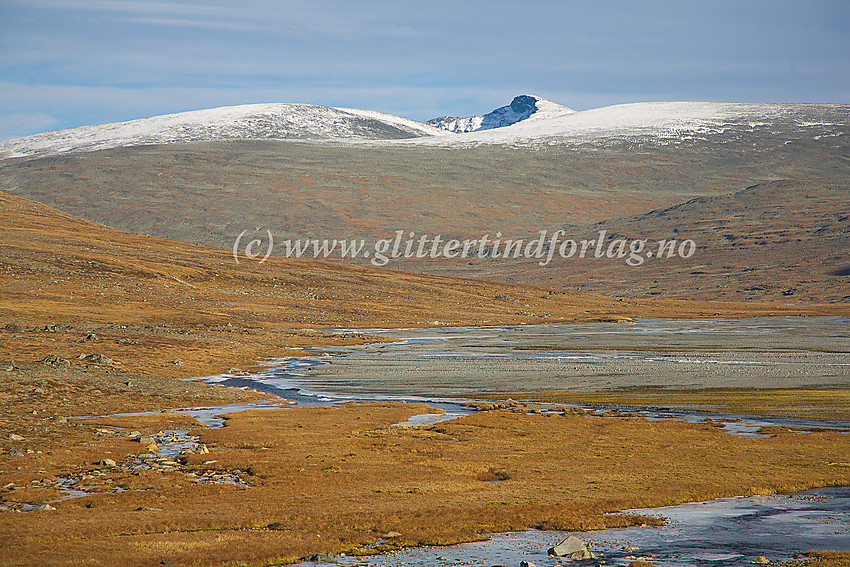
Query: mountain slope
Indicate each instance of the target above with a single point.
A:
(542, 173)
(776, 240)
(521, 108)
(57, 268)
(210, 192)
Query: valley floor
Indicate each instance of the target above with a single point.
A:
(96, 322)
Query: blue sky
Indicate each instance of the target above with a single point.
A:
(69, 63)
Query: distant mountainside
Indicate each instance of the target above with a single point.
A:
(782, 240)
(763, 190)
(520, 108)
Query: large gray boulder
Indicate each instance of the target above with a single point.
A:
(571, 548)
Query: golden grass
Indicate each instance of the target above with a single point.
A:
(827, 559)
(333, 479)
(324, 478)
(802, 403)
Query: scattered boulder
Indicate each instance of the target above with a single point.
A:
(392, 534)
(631, 549)
(146, 509)
(98, 358)
(15, 437)
(527, 564)
(43, 507)
(8, 366)
(196, 449)
(128, 342)
(107, 463)
(175, 362)
(571, 548)
(90, 337)
(761, 560)
(14, 328)
(235, 371)
(16, 453)
(55, 360)
(144, 439)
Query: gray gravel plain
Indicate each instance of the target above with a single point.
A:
(775, 352)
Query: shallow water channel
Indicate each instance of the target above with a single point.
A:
(449, 366)
(726, 532)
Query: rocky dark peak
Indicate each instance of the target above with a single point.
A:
(523, 104)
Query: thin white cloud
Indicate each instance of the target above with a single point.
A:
(336, 20)
(122, 6)
(191, 23)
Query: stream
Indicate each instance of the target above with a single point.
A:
(447, 367)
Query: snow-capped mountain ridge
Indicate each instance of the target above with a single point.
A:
(664, 123)
(276, 121)
(521, 108)
(527, 121)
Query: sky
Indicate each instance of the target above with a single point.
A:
(66, 63)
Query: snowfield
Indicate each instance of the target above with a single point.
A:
(528, 120)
